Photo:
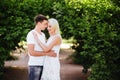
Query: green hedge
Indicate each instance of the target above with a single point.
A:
(95, 27)
(16, 20)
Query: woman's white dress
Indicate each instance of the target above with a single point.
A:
(51, 67)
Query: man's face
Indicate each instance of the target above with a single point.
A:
(44, 24)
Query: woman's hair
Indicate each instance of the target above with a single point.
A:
(54, 23)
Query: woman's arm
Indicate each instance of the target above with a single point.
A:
(47, 48)
(56, 41)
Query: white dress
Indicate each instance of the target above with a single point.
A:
(51, 67)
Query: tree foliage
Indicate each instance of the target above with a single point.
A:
(95, 27)
(16, 19)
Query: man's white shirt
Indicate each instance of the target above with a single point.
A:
(36, 60)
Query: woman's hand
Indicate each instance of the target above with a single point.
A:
(36, 37)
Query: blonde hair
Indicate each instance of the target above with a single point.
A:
(54, 23)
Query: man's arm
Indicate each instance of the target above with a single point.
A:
(32, 52)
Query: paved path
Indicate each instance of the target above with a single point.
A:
(18, 69)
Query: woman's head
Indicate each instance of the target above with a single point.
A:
(53, 26)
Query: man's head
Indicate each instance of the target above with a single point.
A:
(41, 21)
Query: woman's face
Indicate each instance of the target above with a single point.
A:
(51, 29)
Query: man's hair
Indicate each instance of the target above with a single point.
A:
(39, 18)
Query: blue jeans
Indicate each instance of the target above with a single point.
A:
(35, 72)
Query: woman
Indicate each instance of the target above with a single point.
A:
(51, 69)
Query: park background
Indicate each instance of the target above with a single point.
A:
(92, 26)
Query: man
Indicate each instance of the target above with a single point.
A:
(36, 54)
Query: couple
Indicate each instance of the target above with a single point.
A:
(43, 61)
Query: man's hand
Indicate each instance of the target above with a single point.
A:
(51, 54)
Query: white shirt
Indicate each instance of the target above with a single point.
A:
(35, 60)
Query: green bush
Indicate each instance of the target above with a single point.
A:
(16, 20)
(95, 27)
